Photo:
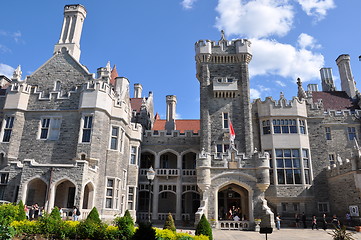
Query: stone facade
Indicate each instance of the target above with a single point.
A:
(69, 138)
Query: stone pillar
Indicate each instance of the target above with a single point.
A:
(138, 90)
(155, 199)
(178, 215)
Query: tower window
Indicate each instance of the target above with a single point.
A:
(331, 158)
(133, 155)
(50, 128)
(9, 123)
(328, 133)
(351, 133)
(266, 127)
(87, 127)
(114, 138)
(225, 120)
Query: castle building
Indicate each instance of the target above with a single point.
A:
(70, 138)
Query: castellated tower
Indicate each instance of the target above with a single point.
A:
(74, 16)
(222, 70)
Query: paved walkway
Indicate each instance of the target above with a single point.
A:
(283, 234)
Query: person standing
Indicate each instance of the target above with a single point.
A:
(335, 222)
(348, 219)
(304, 220)
(314, 222)
(75, 214)
(297, 218)
(278, 222)
(324, 222)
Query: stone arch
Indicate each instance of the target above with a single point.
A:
(147, 159)
(243, 197)
(190, 204)
(65, 192)
(88, 195)
(168, 158)
(189, 159)
(167, 202)
(36, 191)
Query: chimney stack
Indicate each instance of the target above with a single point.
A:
(138, 90)
(171, 112)
(347, 81)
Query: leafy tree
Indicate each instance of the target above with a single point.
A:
(204, 228)
(94, 216)
(145, 231)
(169, 223)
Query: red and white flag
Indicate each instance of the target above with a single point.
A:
(232, 134)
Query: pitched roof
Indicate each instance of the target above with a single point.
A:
(181, 125)
(335, 100)
(136, 104)
(113, 75)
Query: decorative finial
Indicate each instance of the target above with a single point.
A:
(108, 67)
(299, 82)
(282, 95)
(222, 35)
(17, 73)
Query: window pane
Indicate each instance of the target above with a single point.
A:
(110, 183)
(86, 135)
(281, 177)
(295, 153)
(288, 163)
(293, 129)
(280, 163)
(297, 174)
(289, 176)
(296, 163)
(109, 192)
(108, 203)
(114, 143)
(285, 129)
(277, 129)
(287, 153)
(279, 153)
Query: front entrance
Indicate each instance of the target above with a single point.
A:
(232, 202)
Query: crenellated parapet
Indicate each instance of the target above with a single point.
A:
(223, 51)
(17, 96)
(282, 107)
(170, 134)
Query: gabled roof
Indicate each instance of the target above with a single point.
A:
(113, 75)
(335, 100)
(136, 104)
(181, 125)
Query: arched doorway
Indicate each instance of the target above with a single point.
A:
(65, 194)
(190, 205)
(189, 160)
(167, 203)
(88, 196)
(146, 160)
(36, 192)
(233, 200)
(168, 160)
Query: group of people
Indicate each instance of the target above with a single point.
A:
(314, 224)
(33, 211)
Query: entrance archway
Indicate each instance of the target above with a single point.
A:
(36, 192)
(233, 200)
(65, 195)
(88, 196)
(190, 205)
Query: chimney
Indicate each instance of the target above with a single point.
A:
(138, 90)
(74, 16)
(171, 112)
(326, 80)
(347, 81)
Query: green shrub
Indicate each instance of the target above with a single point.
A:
(144, 231)
(341, 234)
(204, 228)
(201, 237)
(6, 232)
(21, 212)
(94, 216)
(69, 229)
(165, 234)
(125, 225)
(50, 225)
(112, 233)
(25, 227)
(184, 236)
(8, 214)
(55, 214)
(169, 223)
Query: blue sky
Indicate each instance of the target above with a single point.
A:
(152, 42)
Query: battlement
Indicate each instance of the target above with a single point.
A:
(20, 87)
(237, 46)
(170, 134)
(75, 8)
(271, 107)
(342, 167)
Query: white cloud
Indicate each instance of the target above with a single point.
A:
(307, 41)
(317, 8)
(6, 70)
(188, 4)
(255, 18)
(273, 58)
(15, 35)
(280, 83)
(4, 49)
(255, 93)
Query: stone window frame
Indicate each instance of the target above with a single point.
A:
(225, 120)
(50, 125)
(284, 126)
(112, 193)
(114, 137)
(332, 158)
(224, 146)
(4, 178)
(82, 129)
(131, 196)
(351, 133)
(133, 156)
(7, 127)
(124, 182)
(322, 206)
(328, 133)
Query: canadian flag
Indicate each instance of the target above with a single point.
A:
(232, 134)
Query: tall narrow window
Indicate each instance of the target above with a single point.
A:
(130, 198)
(306, 165)
(266, 127)
(328, 133)
(109, 193)
(9, 123)
(3, 183)
(133, 155)
(87, 127)
(114, 138)
(225, 120)
(57, 86)
(44, 128)
(121, 139)
(302, 126)
(331, 159)
(351, 133)
(124, 182)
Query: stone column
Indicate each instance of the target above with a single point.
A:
(155, 199)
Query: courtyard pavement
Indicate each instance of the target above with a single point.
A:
(283, 234)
